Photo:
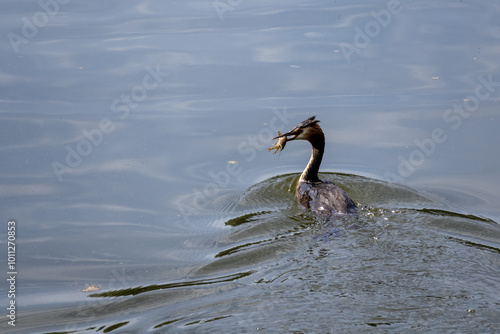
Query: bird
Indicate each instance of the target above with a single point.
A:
(323, 198)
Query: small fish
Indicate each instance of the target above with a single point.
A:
(279, 146)
(91, 288)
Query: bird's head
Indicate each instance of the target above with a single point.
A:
(304, 130)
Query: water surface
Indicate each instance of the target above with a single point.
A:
(134, 141)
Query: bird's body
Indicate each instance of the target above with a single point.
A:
(321, 197)
(324, 198)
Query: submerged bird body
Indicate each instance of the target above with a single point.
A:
(321, 197)
(324, 198)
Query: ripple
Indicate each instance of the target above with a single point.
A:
(405, 253)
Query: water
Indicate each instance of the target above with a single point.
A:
(134, 140)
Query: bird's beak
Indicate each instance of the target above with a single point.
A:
(290, 135)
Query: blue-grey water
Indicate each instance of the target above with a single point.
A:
(134, 140)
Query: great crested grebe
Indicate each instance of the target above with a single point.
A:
(321, 197)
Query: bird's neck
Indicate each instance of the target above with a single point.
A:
(310, 173)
